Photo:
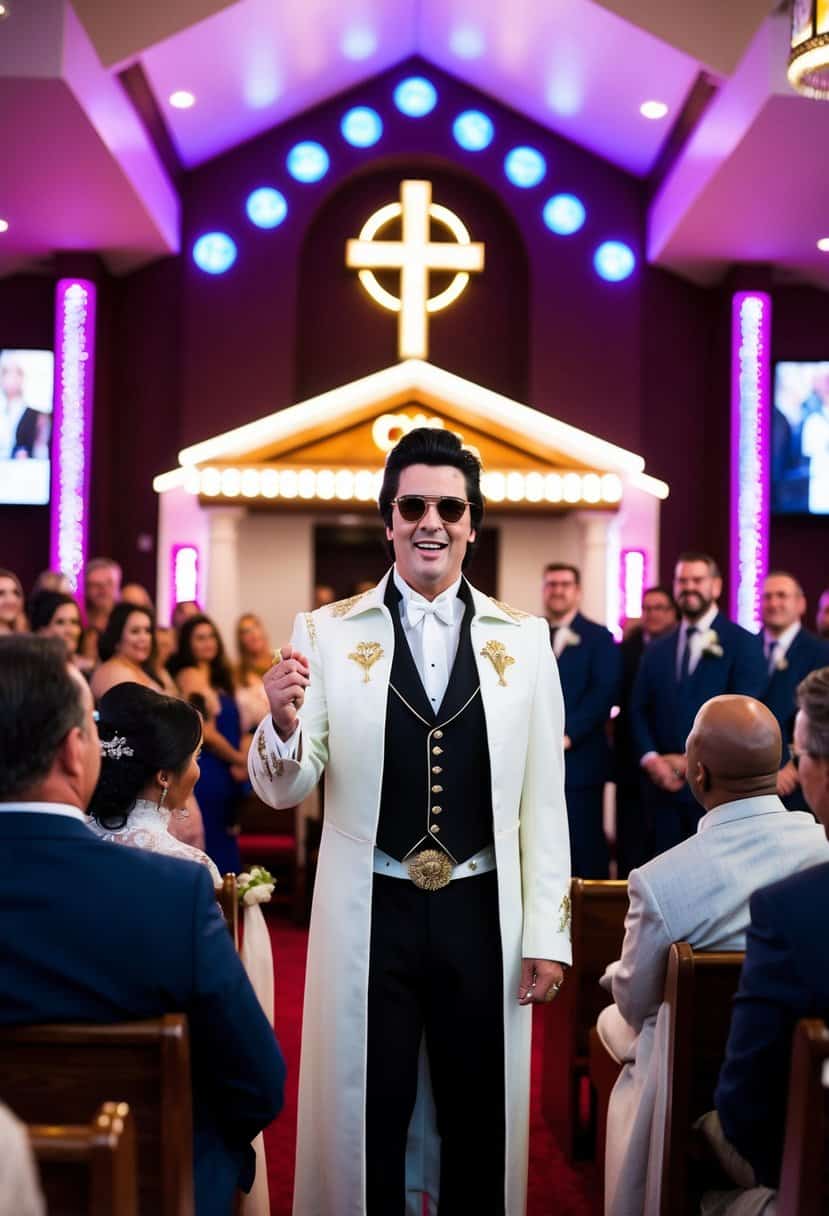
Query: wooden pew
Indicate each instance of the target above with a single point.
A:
(699, 992)
(62, 1074)
(804, 1175)
(228, 899)
(88, 1168)
(598, 927)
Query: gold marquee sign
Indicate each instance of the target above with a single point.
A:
(415, 255)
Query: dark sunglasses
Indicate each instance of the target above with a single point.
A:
(412, 507)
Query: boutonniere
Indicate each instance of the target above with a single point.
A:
(781, 663)
(569, 637)
(366, 655)
(496, 652)
(711, 648)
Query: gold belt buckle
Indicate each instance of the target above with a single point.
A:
(430, 870)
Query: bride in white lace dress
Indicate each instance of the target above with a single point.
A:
(149, 764)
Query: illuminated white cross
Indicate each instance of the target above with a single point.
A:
(415, 256)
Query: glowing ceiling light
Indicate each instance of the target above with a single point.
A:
(571, 487)
(214, 253)
(231, 483)
(344, 484)
(653, 109)
(591, 487)
(308, 161)
(467, 42)
(552, 487)
(361, 127)
(823, 243)
(185, 580)
(525, 167)
(266, 207)
(269, 483)
(192, 481)
(611, 488)
(473, 130)
(4, 225)
(358, 43)
(495, 486)
(614, 261)
(211, 482)
(415, 96)
(326, 484)
(534, 487)
(182, 99)
(564, 214)
(633, 582)
(250, 483)
(288, 484)
(307, 483)
(364, 485)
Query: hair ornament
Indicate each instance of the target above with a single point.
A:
(115, 748)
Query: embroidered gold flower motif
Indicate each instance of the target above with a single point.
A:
(343, 606)
(366, 655)
(311, 626)
(515, 613)
(564, 911)
(496, 652)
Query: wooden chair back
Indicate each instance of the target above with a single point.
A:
(598, 910)
(228, 899)
(88, 1169)
(699, 992)
(62, 1074)
(804, 1176)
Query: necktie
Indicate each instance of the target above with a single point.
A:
(441, 610)
(553, 634)
(685, 665)
(771, 654)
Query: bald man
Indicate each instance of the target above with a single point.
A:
(698, 892)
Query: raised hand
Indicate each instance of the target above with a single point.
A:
(285, 685)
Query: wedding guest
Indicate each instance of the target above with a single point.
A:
(590, 671)
(165, 644)
(134, 593)
(102, 590)
(255, 658)
(182, 612)
(822, 616)
(150, 745)
(51, 580)
(12, 619)
(790, 653)
(659, 618)
(127, 648)
(55, 615)
(707, 656)
(165, 949)
(323, 594)
(205, 672)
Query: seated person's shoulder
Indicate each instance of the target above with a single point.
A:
(800, 894)
(165, 876)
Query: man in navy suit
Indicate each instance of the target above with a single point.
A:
(706, 656)
(785, 976)
(790, 653)
(145, 939)
(590, 670)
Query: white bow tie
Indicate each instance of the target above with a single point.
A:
(416, 610)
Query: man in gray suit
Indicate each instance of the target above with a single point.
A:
(698, 892)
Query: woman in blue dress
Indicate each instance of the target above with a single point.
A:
(204, 677)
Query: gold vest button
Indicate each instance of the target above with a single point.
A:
(438, 734)
(434, 828)
(436, 810)
(436, 768)
(437, 751)
(437, 789)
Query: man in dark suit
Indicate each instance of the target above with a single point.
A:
(786, 971)
(706, 656)
(590, 671)
(790, 653)
(659, 617)
(146, 938)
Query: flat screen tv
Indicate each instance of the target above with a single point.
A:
(800, 439)
(26, 391)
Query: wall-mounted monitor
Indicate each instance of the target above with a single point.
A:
(800, 439)
(26, 393)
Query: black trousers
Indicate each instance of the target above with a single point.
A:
(436, 969)
(589, 854)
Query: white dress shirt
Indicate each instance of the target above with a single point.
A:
(44, 808)
(774, 653)
(702, 626)
(433, 629)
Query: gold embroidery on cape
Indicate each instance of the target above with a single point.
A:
(496, 652)
(366, 655)
(515, 613)
(263, 754)
(564, 918)
(343, 606)
(311, 626)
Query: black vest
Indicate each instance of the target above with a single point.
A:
(436, 769)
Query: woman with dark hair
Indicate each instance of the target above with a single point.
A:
(54, 614)
(205, 674)
(12, 619)
(127, 651)
(150, 745)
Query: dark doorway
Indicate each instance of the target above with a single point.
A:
(347, 555)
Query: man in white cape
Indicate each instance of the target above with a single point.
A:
(441, 907)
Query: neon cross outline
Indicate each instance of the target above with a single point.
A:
(414, 256)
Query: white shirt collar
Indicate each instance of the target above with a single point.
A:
(409, 593)
(44, 808)
(704, 623)
(784, 641)
(565, 622)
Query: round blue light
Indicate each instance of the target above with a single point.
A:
(473, 130)
(525, 167)
(415, 96)
(266, 207)
(308, 161)
(214, 252)
(361, 127)
(564, 214)
(614, 261)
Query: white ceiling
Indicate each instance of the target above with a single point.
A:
(579, 67)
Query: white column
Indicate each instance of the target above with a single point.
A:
(594, 574)
(223, 586)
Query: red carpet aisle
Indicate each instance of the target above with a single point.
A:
(555, 1188)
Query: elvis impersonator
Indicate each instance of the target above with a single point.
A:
(441, 909)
